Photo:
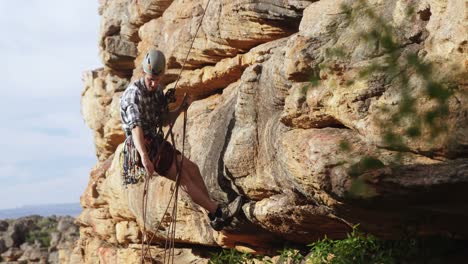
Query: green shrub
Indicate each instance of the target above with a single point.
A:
(231, 256)
(362, 248)
(356, 248)
(290, 255)
(41, 233)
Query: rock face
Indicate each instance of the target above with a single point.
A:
(259, 129)
(36, 239)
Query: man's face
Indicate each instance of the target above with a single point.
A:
(152, 81)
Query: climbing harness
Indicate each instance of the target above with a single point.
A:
(131, 165)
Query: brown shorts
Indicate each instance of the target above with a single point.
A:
(163, 162)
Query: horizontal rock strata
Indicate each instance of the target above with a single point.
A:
(310, 159)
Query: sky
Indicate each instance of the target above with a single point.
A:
(46, 149)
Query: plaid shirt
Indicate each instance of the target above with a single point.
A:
(139, 107)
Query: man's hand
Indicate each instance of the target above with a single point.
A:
(184, 105)
(186, 102)
(170, 95)
(139, 141)
(148, 165)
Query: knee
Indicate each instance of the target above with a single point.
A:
(191, 166)
(189, 173)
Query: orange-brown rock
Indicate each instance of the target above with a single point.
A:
(258, 127)
(100, 110)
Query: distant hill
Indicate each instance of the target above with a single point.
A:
(71, 209)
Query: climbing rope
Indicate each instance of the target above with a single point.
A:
(145, 251)
(172, 226)
(171, 232)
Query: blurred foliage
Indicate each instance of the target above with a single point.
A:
(356, 248)
(402, 68)
(290, 255)
(422, 109)
(365, 164)
(233, 256)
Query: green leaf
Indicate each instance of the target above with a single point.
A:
(437, 91)
(413, 132)
(345, 146)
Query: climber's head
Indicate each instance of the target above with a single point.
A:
(154, 65)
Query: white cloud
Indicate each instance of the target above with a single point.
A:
(39, 16)
(35, 145)
(70, 123)
(46, 150)
(47, 44)
(7, 171)
(64, 188)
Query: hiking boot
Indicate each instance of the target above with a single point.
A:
(225, 213)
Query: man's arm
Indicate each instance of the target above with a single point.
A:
(139, 142)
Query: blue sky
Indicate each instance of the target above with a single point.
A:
(46, 149)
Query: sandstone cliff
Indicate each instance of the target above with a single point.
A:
(255, 130)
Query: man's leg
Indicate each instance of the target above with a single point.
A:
(192, 182)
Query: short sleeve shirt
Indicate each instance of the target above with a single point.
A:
(139, 107)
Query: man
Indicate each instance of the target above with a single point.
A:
(144, 111)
